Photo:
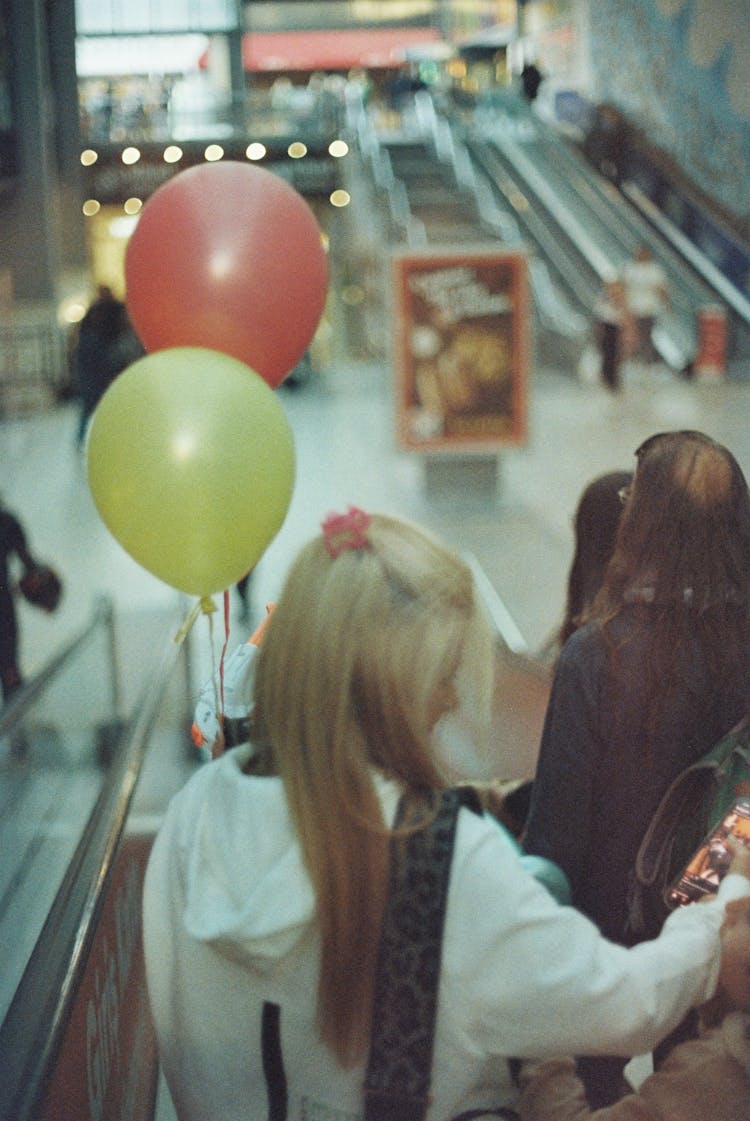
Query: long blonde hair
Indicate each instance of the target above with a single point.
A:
(355, 653)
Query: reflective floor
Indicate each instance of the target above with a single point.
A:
(519, 532)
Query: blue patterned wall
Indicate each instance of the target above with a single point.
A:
(680, 69)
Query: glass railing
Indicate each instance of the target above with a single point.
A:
(51, 777)
(75, 1038)
(33, 363)
(300, 114)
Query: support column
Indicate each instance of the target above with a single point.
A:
(237, 73)
(29, 221)
(62, 36)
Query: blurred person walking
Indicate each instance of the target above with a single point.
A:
(647, 298)
(13, 544)
(106, 345)
(612, 330)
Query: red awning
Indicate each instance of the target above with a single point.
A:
(331, 50)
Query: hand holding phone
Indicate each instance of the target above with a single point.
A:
(740, 858)
(710, 863)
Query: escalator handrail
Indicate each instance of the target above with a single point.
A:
(513, 646)
(677, 344)
(538, 226)
(640, 215)
(716, 280)
(601, 263)
(32, 1030)
(691, 277)
(21, 701)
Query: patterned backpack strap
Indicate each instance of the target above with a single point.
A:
(399, 1072)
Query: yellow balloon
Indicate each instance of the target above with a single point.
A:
(190, 462)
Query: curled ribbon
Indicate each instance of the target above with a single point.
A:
(204, 606)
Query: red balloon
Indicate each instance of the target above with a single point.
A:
(229, 257)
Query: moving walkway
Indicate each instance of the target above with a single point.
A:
(82, 800)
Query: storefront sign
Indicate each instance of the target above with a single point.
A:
(461, 350)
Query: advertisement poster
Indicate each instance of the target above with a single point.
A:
(461, 350)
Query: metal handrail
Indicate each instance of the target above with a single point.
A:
(728, 292)
(600, 263)
(32, 1030)
(510, 641)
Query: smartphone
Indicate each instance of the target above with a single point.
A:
(707, 867)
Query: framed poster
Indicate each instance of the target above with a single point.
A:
(461, 322)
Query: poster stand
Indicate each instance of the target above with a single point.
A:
(461, 355)
(470, 479)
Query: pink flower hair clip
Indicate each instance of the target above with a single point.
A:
(346, 531)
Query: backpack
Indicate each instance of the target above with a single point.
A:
(694, 803)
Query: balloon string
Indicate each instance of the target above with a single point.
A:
(217, 707)
(217, 677)
(224, 648)
(218, 747)
(205, 606)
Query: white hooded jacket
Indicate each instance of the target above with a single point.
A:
(229, 926)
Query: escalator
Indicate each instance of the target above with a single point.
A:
(434, 192)
(590, 218)
(445, 213)
(76, 1039)
(84, 778)
(491, 177)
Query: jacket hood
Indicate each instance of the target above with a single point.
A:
(246, 889)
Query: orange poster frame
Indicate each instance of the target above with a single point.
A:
(461, 349)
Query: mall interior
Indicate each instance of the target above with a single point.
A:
(476, 174)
